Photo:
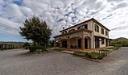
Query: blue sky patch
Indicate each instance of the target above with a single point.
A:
(18, 2)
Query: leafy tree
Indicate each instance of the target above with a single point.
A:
(37, 31)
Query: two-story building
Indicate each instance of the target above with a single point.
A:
(89, 34)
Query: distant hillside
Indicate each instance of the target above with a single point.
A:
(119, 42)
(17, 43)
(121, 38)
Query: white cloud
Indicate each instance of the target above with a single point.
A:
(63, 13)
(26, 11)
(7, 26)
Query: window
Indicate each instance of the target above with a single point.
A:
(79, 28)
(64, 32)
(96, 28)
(106, 32)
(72, 30)
(102, 31)
(102, 41)
(85, 26)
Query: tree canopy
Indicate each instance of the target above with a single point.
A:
(36, 30)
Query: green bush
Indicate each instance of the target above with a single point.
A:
(79, 53)
(32, 49)
(37, 48)
(92, 55)
(95, 55)
(118, 45)
(101, 56)
(116, 48)
(59, 49)
(26, 45)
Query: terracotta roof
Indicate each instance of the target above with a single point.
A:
(92, 19)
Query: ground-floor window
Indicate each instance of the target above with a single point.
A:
(102, 40)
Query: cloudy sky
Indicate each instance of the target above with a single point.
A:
(62, 13)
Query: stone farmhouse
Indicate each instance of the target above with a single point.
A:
(89, 34)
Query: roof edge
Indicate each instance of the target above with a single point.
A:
(87, 21)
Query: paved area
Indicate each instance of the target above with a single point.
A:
(18, 62)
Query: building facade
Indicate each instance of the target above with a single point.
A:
(89, 34)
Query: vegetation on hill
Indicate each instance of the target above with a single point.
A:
(119, 42)
(38, 32)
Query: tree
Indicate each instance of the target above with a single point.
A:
(26, 45)
(37, 31)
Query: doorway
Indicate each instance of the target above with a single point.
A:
(79, 43)
(64, 43)
(97, 42)
(86, 43)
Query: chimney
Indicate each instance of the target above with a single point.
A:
(63, 28)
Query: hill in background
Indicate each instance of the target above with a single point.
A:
(122, 42)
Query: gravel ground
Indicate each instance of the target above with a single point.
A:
(18, 62)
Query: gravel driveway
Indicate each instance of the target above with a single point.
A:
(18, 62)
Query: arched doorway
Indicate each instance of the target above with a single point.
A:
(87, 42)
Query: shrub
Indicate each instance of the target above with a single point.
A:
(92, 55)
(79, 53)
(101, 56)
(118, 45)
(59, 49)
(37, 48)
(32, 49)
(26, 45)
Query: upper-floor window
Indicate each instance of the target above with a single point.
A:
(64, 32)
(83, 27)
(72, 30)
(96, 28)
(102, 31)
(79, 28)
(102, 40)
(106, 32)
